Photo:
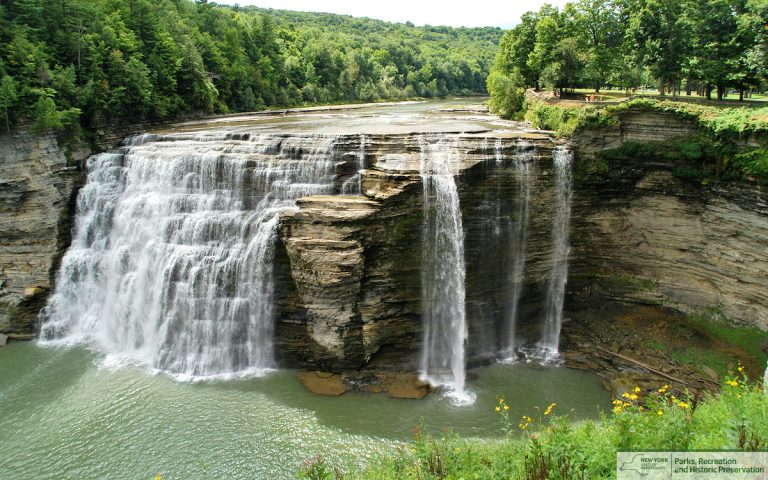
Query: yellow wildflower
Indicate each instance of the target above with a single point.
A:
(732, 383)
(506, 407)
(549, 408)
(617, 402)
(498, 409)
(158, 477)
(633, 397)
(625, 395)
(617, 409)
(660, 413)
(458, 450)
(626, 404)
(663, 389)
(501, 401)
(682, 405)
(741, 368)
(636, 390)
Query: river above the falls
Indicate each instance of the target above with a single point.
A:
(62, 415)
(456, 115)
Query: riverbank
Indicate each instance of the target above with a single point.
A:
(546, 443)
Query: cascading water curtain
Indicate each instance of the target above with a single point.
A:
(518, 242)
(548, 347)
(354, 184)
(171, 261)
(443, 271)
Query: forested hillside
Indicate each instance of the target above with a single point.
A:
(92, 62)
(703, 46)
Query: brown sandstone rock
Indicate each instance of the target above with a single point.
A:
(405, 385)
(323, 383)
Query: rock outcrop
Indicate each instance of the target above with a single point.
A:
(354, 261)
(38, 184)
(691, 245)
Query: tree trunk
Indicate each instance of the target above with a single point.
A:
(661, 86)
(708, 90)
(720, 92)
(741, 93)
(688, 86)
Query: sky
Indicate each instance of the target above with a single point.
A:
(467, 13)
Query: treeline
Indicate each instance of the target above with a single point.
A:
(701, 46)
(94, 62)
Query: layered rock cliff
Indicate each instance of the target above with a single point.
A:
(355, 260)
(697, 244)
(38, 184)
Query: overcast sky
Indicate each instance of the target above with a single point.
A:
(467, 13)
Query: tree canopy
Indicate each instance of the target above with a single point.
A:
(126, 61)
(701, 45)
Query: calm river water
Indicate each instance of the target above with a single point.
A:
(63, 415)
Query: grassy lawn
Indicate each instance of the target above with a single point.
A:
(607, 95)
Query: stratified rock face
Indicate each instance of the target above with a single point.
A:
(37, 187)
(633, 126)
(693, 246)
(355, 264)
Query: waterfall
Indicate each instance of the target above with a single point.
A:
(547, 347)
(518, 241)
(171, 260)
(353, 185)
(443, 271)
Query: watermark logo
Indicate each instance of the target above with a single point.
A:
(699, 465)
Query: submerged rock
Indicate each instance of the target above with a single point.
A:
(323, 383)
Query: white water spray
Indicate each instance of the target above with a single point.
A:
(548, 347)
(354, 184)
(524, 155)
(443, 271)
(171, 261)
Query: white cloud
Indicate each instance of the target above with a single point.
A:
(468, 13)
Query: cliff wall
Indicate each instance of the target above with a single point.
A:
(689, 244)
(38, 184)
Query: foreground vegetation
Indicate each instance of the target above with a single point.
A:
(105, 61)
(547, 445)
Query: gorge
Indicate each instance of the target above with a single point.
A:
(380, 247)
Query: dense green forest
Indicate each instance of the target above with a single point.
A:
(95, 62)
(691, 46)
